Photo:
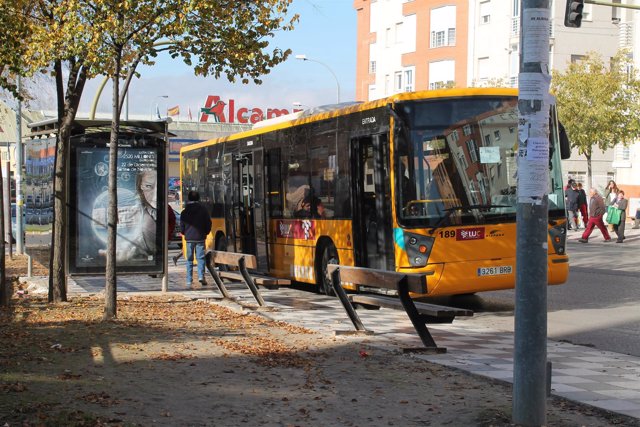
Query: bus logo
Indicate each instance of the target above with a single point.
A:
(297, 229)
(470, 233)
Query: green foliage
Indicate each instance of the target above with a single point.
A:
(598, 103)
(13, 41)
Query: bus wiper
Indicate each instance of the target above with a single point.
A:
(451, 210)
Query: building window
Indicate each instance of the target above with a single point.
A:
(441, 84)
(443, 26)
(463, 160)
(622, 153)
(496, 135)
(442, 74)
(578, 176)
(451, 37)
(408, 80)
(473, 154)
(399, 35)
(487, 140)
(454, 136)
(397, 77)
(442, 38)
(466, 130)
(485, 12)
(483, 68)
(437, 38)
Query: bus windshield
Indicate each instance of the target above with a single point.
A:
(455, 160)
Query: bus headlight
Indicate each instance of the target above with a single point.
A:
(558, 235)
(418, 248)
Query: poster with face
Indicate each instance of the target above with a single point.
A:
(139, 230)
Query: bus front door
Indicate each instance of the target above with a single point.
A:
(250, 228)
(372, 225)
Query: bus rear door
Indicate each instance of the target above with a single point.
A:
(250, 221)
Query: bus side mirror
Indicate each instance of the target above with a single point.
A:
(565, 144)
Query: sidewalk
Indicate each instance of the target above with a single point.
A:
(602, 379)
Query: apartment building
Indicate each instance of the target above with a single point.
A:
(411, 45)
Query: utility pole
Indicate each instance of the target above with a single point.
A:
(18, 172)
(534, 102)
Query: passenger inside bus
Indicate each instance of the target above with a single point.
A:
(306, 204)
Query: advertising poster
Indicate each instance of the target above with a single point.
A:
(139, 230)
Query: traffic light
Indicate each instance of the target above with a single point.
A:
(573, 13)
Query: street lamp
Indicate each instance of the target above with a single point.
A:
(300, 105)
(304, 58)
(156, 101)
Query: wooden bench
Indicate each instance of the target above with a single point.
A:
(419, 313)
(241, 262)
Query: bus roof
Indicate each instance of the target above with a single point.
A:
(326, 112)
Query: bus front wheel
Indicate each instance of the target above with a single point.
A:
(328, 255)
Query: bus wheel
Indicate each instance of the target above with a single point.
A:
(328, 255)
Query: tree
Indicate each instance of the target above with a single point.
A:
(227, 37)
(15, 31)
(109, 37)
(63, 37)
(598, 103)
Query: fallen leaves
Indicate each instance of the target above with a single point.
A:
(101, 398)
(171, 357)
(15, 387)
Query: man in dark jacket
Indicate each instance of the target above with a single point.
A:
(195, 224)
(571, 198)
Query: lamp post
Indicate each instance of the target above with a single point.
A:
(304, 58)
(156, 102)
(300, 105)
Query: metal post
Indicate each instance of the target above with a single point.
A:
(165, 262)
(18, 172)
(6, 204)
(530, 347)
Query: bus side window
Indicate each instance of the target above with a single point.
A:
(274, 183)
(296, 168)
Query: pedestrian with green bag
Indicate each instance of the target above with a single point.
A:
(620, 208)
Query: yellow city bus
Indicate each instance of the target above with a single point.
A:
(421, 182)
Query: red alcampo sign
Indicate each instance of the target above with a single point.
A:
(225, 112)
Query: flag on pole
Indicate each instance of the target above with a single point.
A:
(190, 116)
(157, 112)
(174, 111)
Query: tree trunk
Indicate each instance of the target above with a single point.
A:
(5, 291)
(587, 155)
(67, 110)
(110, 307)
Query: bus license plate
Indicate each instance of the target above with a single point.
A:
(494, 271)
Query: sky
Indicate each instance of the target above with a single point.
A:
(326, 33)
